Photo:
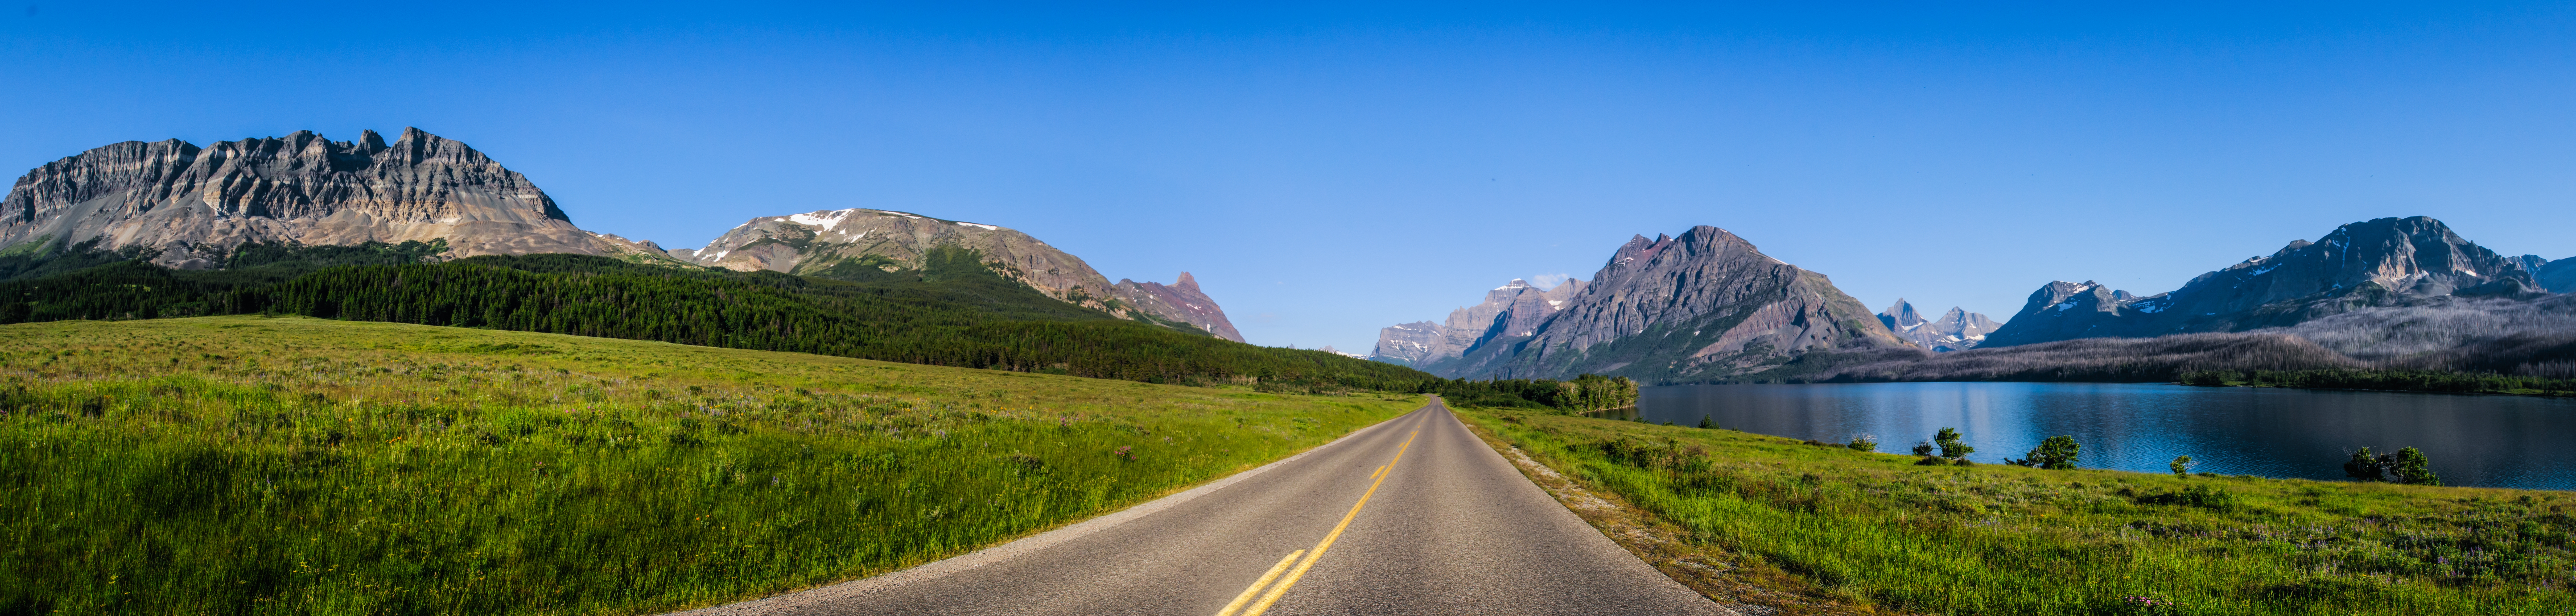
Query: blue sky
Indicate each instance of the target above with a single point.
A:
(1331, 169)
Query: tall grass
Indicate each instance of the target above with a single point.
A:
(241, 465)
(1876, 532)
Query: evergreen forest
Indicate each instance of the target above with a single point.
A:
(953, 310)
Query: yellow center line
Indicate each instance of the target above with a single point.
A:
(1255, 590)
(1272, 598)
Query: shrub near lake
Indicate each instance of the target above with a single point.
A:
(1849, 532)
(295, 466)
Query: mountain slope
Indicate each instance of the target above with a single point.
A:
(857, 239)
(2558, 276)
(1958, 329)
(1514, 309)
(194, 204)
(1181, 301)
(2382, 262)
(954, 311)
(1705, 306)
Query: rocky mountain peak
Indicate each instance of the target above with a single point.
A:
(1698, 306)
(1957, 330)
(1901, 316)
(1407, 344)
(194, 204)
(889, 240)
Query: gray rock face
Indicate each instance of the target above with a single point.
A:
(1514, 309)
(1958, 329)
(814, 241)
(2383, 262)
(197, 203)
(1408, 344)
(1702, 307)
(1182, 301)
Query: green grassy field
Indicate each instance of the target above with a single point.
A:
(248, 465)
(1874, 533)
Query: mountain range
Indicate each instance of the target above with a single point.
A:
(188, 207)
(888, 241)
(1705, 305)
(1957, 330)
(1709, 307)
(2388, 293)
(1514, 309)
(2385, 262)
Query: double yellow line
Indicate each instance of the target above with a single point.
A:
(1376, 477)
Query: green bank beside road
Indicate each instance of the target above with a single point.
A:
(1829, 530)
(297, 466)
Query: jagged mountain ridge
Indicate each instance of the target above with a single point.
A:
(191, 206)
(194, 204)
(1705, 306)
(1406, 344)
(1514, 309)
(889, 240)
(1957, 330)
(2381, 262)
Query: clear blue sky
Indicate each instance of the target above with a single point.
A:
(1332, 169)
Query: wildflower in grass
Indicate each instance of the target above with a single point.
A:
(1126, 452)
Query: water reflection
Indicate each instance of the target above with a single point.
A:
(2499, 441)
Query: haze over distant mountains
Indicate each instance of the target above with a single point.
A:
(187, 207)
(2377, 263)
(2393, 293)
(1957, 330)
(1708, 307)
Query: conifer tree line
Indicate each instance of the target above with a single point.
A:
(951, 312)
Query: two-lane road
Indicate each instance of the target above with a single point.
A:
(1447, 527)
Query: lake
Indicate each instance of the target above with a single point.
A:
(2494, 441)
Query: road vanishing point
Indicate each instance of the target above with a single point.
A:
(1414, 515)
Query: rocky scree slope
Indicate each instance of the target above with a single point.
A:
(814, 243)
(1958, 329)
(2385, 262)
(1703, 307)
(194, 204)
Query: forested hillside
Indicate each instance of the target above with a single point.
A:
(953, 311)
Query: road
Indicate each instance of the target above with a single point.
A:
(1411, 516)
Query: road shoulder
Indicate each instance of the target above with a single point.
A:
(1704, 569)
(827, 595)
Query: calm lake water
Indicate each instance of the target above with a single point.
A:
(2496, 441)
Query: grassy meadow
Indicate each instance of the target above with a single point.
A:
(1849, 532)
(249, 465)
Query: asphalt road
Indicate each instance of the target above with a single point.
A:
(1447, 527)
